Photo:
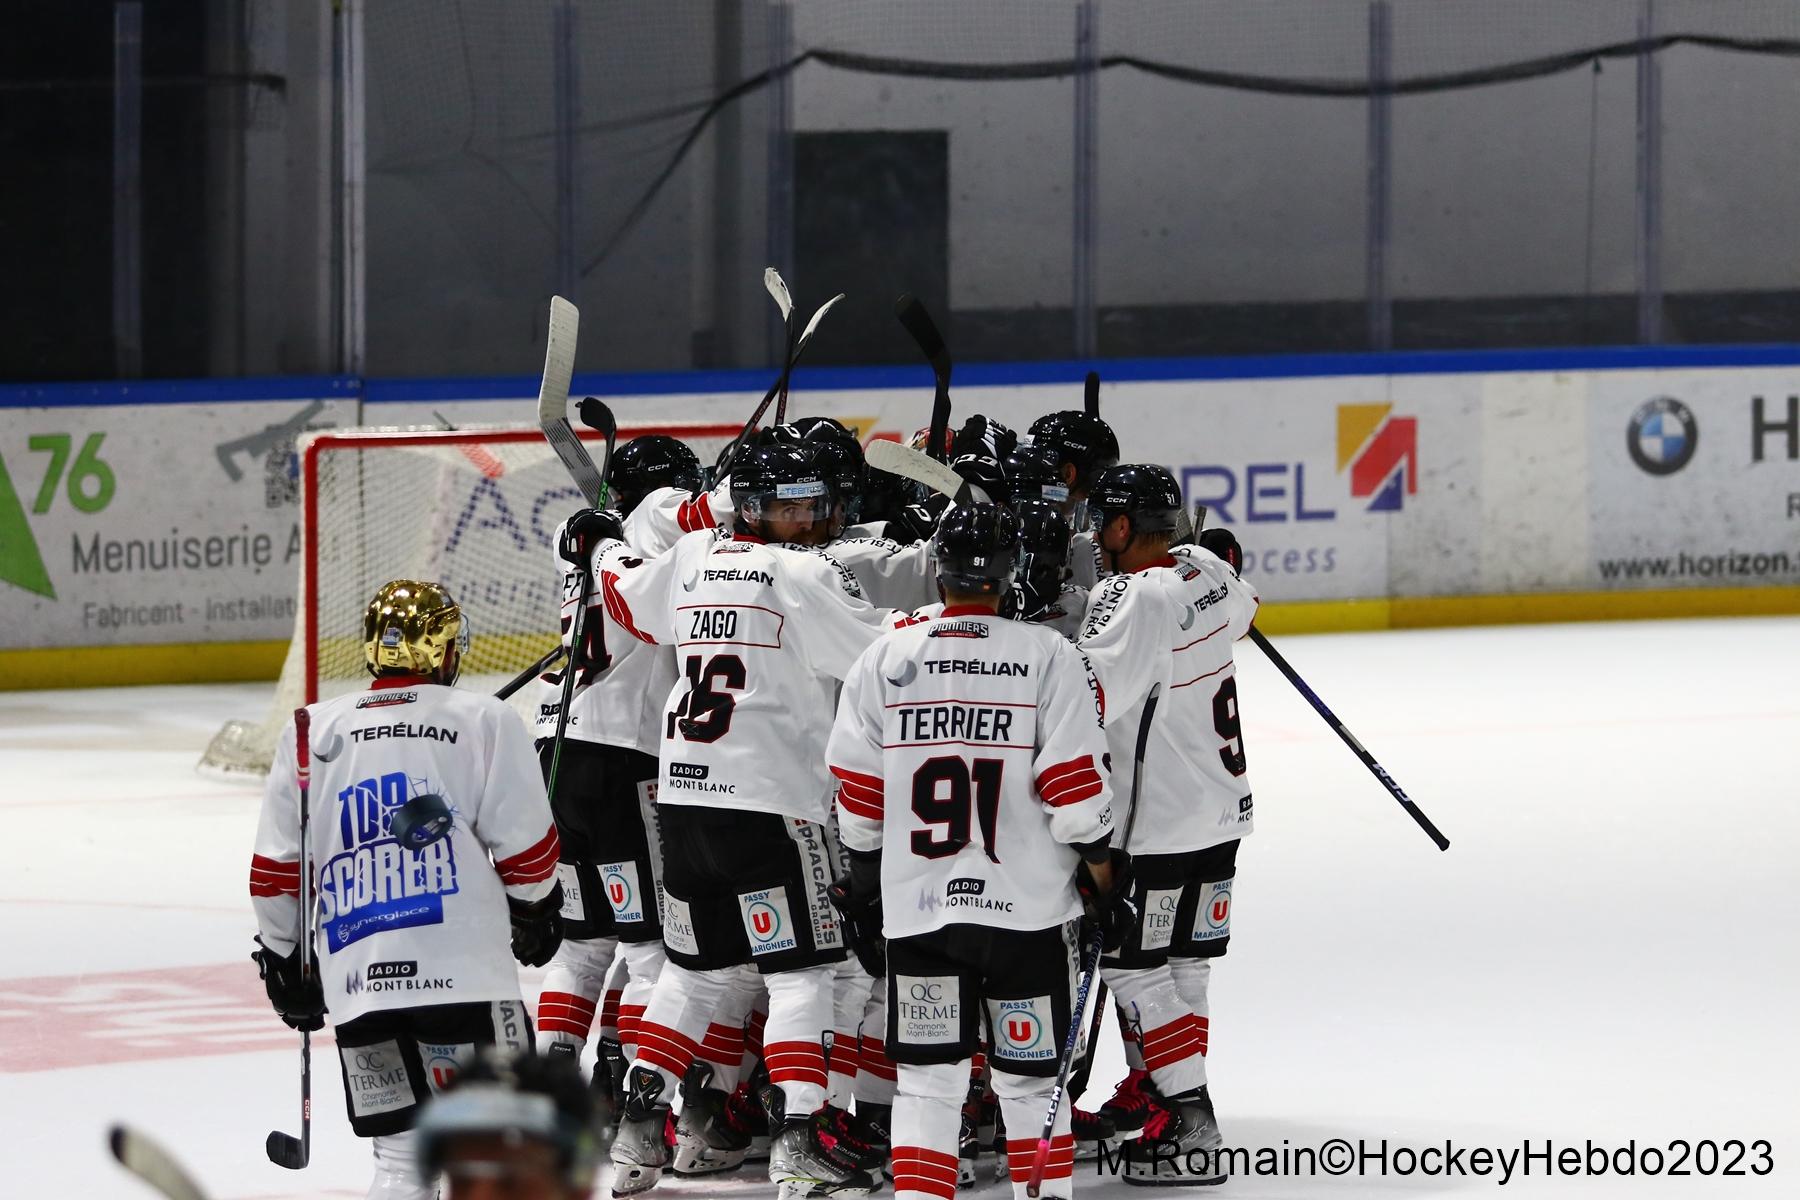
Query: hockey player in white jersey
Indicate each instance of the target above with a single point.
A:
(970, 756)
(659, 488)
(763, 632)
(431, 852)
(1169, 616)
(604, 790)
(1081, 445)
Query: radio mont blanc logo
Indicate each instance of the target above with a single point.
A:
(1662, 435)
(1381, 452)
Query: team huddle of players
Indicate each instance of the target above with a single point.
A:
(842, 795)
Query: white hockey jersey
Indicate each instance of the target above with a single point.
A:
(969, 750)
(1086, 565)
(762, 633)
(398, 928)
(663, 516)
(891, 575)
(618, 695)
(1174, 624)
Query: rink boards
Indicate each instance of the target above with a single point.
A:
(148, 532)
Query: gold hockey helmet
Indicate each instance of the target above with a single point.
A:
(409, 627)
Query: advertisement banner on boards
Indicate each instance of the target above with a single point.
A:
(1694, 478)
(133, 525)
(1335, 486)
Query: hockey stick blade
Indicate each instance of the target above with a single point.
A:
(151, 1163)
(559, 360)
(911, 464)
(553, 399)
(285, 1150)
(598, 417)
(924, 331)
(778, 288)
(806, 335)
(1090, 394)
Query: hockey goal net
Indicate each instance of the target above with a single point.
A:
(473, 509)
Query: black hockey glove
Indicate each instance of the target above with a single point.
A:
(299, 1002)
(918, 522)
(1110, 909)
(586, 530)
(857, 897)
(1224, 544)
(537, 928)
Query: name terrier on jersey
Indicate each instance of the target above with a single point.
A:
(955, 722)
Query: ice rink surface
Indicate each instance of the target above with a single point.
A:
(1609, 951)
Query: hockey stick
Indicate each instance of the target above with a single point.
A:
(1337, 726)
(553, 400)
(151, 1163)
(1090, 394)
(924, 331)
(777, 287)
(915, 465)
(529, 673)
(597, 416)
(1091, 967)
(798, 351)
(1079, 1080)
(1331, 719)
(285, 1150)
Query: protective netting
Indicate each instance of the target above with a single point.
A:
(471, 509)
(1543, 167)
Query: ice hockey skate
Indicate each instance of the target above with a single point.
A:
(804, 1159)
(707, 1140)
(1179, 1145)
(639, 1151)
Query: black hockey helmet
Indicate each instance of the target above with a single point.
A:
(1031, 475)
(647, 463)
(1078, 439)
(981, 434)
(839, 455)
(977, 549)
(812, 427)
(500, 1101)
(1144, 492)
(1043, 555)
(764, 476)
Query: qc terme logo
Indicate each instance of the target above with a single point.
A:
(1382, 453)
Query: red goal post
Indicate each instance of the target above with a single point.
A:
(474, 509)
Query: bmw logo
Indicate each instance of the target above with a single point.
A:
(1661, 435)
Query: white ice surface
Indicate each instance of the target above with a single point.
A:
(1609, 950)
